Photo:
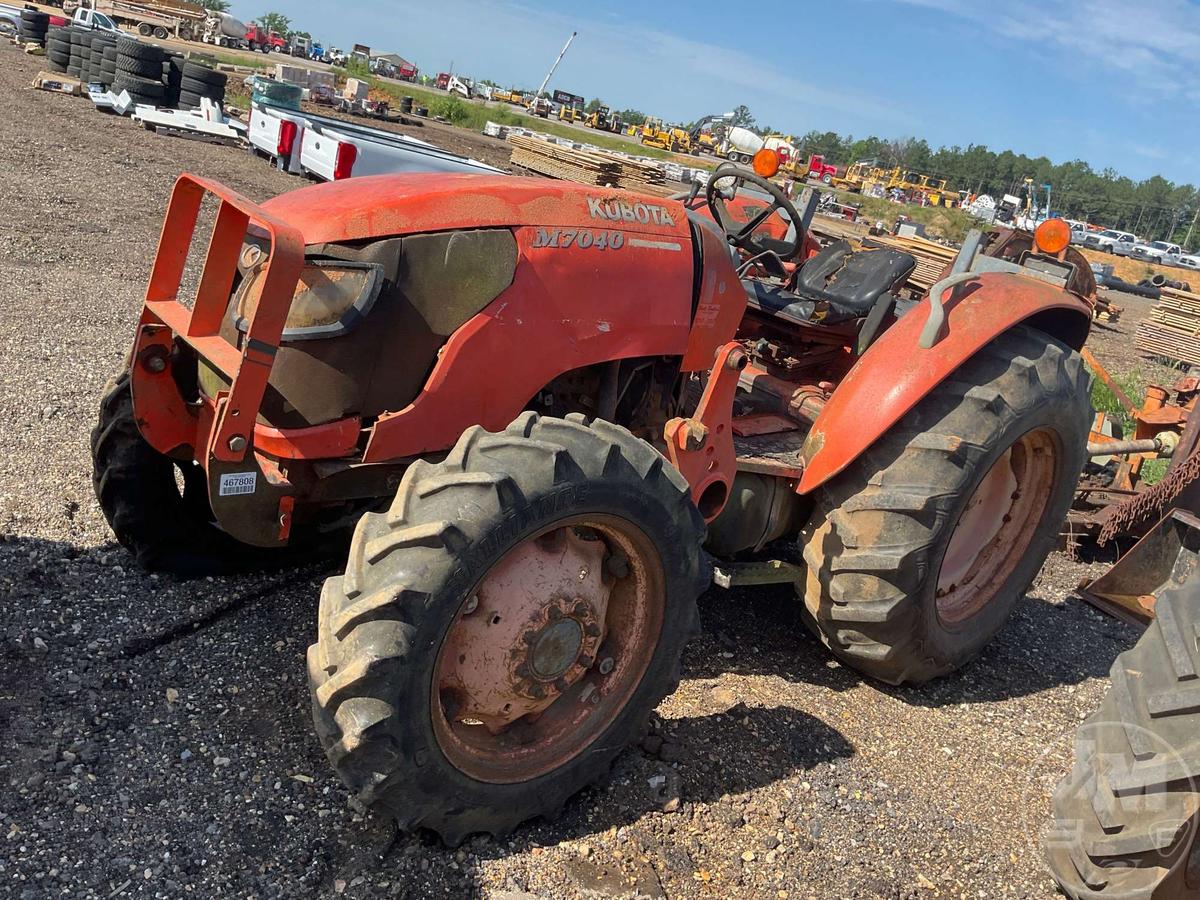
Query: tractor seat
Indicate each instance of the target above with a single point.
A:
(846, 284)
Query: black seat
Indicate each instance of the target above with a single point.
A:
(851, 283)
(845, 285)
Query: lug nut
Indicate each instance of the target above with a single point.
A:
(156, 364)
(606, 665)
(237, 443)
(583, 573)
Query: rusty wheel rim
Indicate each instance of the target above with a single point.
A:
(547, 648)
(997, 526)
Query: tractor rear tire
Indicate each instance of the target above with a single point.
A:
(416, 574)
(1126, 818)
(997, 447)
(166, 529)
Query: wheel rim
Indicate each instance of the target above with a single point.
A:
(997, 526)
(545, 651)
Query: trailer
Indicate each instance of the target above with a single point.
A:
(333, 150)
(155, 18)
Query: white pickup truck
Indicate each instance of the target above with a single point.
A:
(332, 150)
(1160, 252)
(1111, 240)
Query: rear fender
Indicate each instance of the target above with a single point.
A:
(896, 373)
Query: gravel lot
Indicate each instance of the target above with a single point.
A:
(155, 736)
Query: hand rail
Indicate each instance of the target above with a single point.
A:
(959, 274)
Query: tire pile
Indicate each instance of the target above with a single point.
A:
(34, 26)
(139, 72)
(197, 82)
(58, 48)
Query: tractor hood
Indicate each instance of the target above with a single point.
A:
(393, 205)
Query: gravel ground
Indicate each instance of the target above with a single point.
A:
(155, 733)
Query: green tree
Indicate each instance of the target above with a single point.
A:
(632, 116)
(215, 5)
(743, 117)
(594, 104)
(276, 22)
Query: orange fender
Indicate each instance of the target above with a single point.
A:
(895, 373)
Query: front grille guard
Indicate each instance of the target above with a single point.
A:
(229, 432)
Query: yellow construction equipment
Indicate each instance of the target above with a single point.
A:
(604, 120)
(512, 96)
(570, 114)
(654, 133)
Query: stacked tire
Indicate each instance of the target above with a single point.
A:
(97, 74)
(138, 71)
(108, 64)
(172, 76)
(198, 82)
(58, 48)
(75, 65)
(34, 26)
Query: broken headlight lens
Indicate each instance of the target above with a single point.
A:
(331, 298)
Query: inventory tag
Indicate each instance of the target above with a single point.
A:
(238, 483)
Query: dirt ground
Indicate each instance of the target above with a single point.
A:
(155, 733)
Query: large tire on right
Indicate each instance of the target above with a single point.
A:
(1126, 818)
(391, 671)
(996, 448)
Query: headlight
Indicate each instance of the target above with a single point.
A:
(330, 299)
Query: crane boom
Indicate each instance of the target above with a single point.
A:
(545, 81)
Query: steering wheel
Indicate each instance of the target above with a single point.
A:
(741, 234)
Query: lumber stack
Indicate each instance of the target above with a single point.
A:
(1172, 329)
(591, 166)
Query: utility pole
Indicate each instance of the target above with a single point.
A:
(550, 74)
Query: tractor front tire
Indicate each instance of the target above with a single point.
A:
(165, 527)
(918, 551)
(1126, 818)
(444, 604)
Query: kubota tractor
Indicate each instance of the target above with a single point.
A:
(545, 410)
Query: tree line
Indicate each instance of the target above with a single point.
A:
(1155, 208)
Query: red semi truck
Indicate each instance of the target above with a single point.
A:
(260, 39)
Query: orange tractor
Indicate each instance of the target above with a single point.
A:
(552, 415)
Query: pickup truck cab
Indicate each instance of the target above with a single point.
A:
(1158, 251)
(1110, 240)
(1188, 261)
(97, 21)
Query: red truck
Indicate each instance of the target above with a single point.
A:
(820, 170)
(260, 39)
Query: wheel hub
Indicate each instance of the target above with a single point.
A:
(548, 648)
(529, 632)
(555, 649)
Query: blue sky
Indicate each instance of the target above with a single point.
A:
(1113, 82)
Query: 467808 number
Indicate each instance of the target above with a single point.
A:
(562, 238)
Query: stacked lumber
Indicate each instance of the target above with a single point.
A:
(590, 166)
(1172, 329)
